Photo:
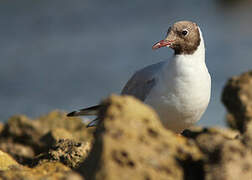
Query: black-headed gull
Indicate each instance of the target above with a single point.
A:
(179, 89)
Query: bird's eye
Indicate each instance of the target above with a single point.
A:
(184, 32)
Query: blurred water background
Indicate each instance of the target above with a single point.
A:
(61, 54)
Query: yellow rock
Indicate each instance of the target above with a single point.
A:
(47, 170)
(6, 161)
(131, 143)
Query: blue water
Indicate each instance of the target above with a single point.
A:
(70, 54)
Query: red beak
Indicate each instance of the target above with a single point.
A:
(162, 43)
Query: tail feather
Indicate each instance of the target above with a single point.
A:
(90, 111)
(93, 123)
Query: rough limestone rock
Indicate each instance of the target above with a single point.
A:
(195, 131)
(58, 138)
(75, 126)
(1, 127)
(24, 138)
(228, 160)
(21, 153)
(68, 152)
(24, 130)
(131, 143)
(6, 161)
(237, 97)
(48, 171)
(226, 157)
(54, 135)
(247, 136)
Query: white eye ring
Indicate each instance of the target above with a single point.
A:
(184, 32)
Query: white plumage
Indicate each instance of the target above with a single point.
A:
(183, 89)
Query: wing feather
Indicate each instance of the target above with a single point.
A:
(141, 83)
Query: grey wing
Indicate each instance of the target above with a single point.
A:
(141, 83)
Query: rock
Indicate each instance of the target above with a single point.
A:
(55, 135)
(58, 138)
(229, 160)
(66, 151)
(21, 153)
(237, 97)
(195, 131)
(225, 156)
(24, 138)
(75, 126)
(24, 131)
(6, 161)
(247, 136)
(1, 127)
(47, 170)
(131, 143)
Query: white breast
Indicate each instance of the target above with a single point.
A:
(182, 93)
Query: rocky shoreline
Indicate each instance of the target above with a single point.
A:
(130, 143)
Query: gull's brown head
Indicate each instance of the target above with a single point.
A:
(183, 37)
